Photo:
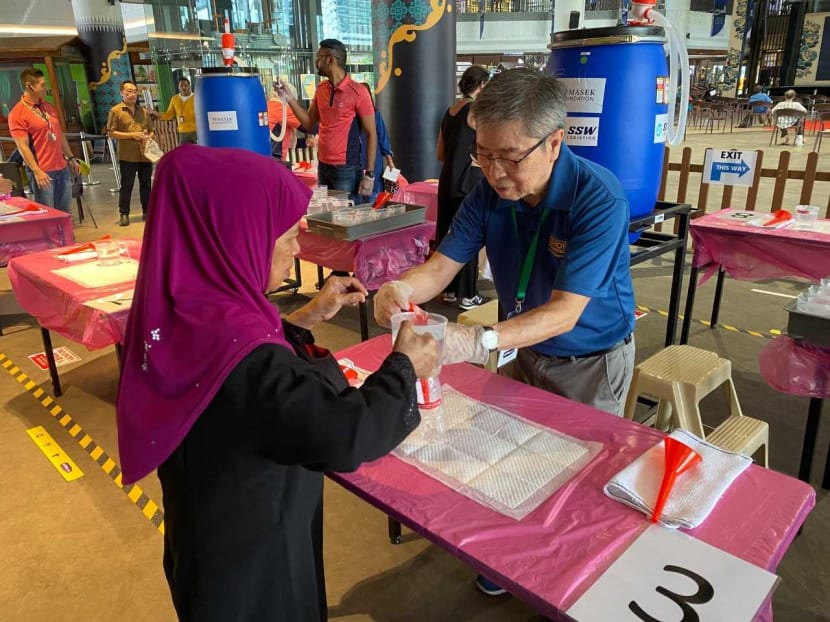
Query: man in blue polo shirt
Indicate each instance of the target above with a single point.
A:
(555, 227)
(556, 231)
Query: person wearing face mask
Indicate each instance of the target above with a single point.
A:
(36, 130)
(182, 109)
(343, 108)
(131, 126)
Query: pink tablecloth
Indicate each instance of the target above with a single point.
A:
(796, 368)
(375, 259)
(58, 304)
(554, 554)
(421, 193)
(750, 253)
(29, 233)
(309, 179)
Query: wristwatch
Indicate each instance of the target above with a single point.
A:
(369, 174)
(490, 339)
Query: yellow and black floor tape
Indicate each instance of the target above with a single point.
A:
(770, 334)
(134, 493)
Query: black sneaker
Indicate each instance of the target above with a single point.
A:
(450, 297)
(123, 220)
(485, 586)
(471, 303)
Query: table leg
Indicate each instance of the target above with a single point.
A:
(50, 358)
(299, 273)
(364, 320)
(394, 530)
(713, 321)
(677, 281)
(690, 306)
(319, 277)
(118, 352)
(809, 445)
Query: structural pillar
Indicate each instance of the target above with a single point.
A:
(101, 30)
(414, 43)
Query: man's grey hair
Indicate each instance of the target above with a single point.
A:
(537, 100)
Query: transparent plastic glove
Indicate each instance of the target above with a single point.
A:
(366, 187)
(463, 344)
(392, 298)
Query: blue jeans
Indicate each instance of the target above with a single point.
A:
(344, 177)
(58, 194)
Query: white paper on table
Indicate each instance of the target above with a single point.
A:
(733, 589)
(13, 218)
(121, 301)
(93, 274)
(492, 456)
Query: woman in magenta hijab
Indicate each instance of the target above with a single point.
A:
(236, 407)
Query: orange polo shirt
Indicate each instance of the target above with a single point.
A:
(38, 122)
(339, 108)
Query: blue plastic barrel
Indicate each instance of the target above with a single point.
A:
(617, 80)
(231, 109)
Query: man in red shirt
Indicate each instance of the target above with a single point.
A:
(34, 125)
(342, 107)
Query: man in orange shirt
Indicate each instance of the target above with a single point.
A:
(34, 125)
(342, 107)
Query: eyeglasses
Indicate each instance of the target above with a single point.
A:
(508, 164)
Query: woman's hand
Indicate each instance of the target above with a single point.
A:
(336, 293)
(422, 350)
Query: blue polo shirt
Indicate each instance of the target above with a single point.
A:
(582, 249)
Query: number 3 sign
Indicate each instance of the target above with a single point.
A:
(667, 576)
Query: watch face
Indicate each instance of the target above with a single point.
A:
(490, 339)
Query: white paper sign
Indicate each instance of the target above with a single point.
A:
(222, 121)
(582, 131)
(729, 167)
(584, 94)
(665, 574)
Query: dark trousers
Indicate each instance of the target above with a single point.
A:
(128, 173)
(465, 282)
(341, 177)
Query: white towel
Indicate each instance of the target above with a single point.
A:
(73, 257)
(695, 492)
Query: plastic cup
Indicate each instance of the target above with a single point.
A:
(428, 389)
(108, 251)
(806, 216)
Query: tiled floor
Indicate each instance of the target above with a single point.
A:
(84, 551)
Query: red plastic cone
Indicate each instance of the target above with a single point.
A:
(679, 459)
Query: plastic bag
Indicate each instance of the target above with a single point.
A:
(799, 369)
(152, 151)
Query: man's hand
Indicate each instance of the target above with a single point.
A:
(42, 178)
(139, 136)
(463, 344)
(366, 187)
(392, 298)
(390, 163)
(74, 166)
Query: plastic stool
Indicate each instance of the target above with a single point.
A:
(680, 377)
(485, 315)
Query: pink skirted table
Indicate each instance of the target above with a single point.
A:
(93, 316)
(374, 259)
(421, 193)
(800, 368)
(33, 231)
(749, 253)
(553, 555)
(309, 179)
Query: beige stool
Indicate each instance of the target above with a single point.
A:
(485, 315)
(680, 377)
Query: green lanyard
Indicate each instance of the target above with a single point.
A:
(527, 264)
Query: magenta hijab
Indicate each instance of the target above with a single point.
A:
(199, 306)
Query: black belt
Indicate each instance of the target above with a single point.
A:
(616, 346)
